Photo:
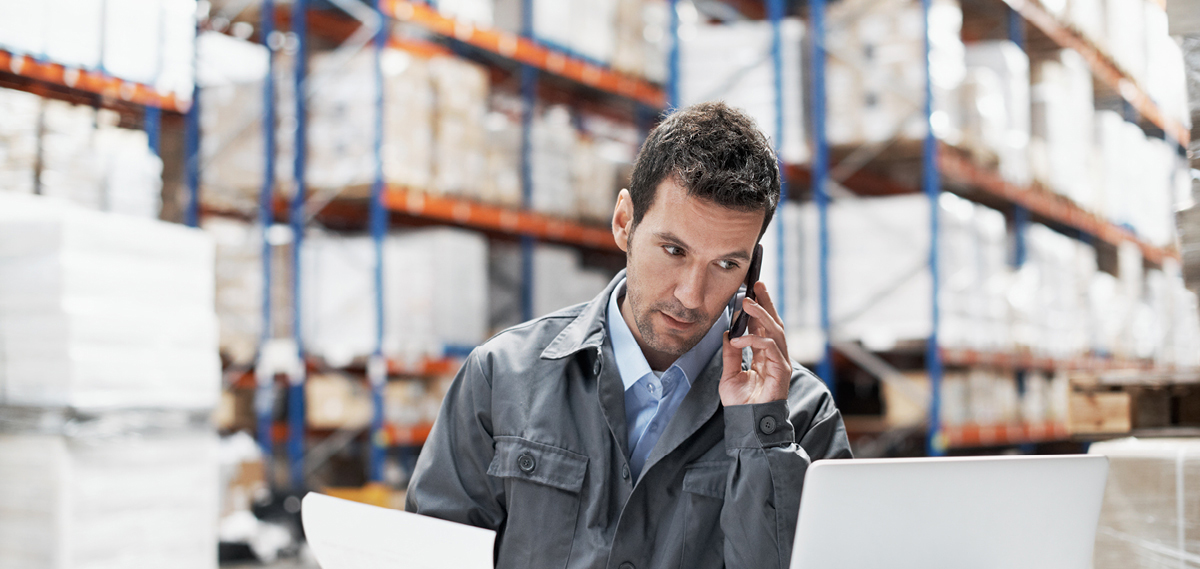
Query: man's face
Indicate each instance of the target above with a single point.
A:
(685, 260)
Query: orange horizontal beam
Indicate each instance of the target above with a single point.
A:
(1048, 205)
(89, 81)
(974, 435)
(1009, 360)
(406, 435)
(525, 51)
(493, 218)
(1102, 66)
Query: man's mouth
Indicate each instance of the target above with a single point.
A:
(675, 322)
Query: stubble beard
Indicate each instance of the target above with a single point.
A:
(643, 318)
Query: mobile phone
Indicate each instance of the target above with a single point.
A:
(741, 320)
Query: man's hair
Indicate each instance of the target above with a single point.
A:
(715, 152)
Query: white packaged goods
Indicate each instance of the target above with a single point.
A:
(875, 77)
(1150, 503)
(1125, 35)
(640, 38)
(74, 34)
(502, 185)
(478, 12)
(560, 279)
(104, 310)
(176, 71)
(800, 305)
(86, 159)
(553, 144)
(342, 121)
(239, 286)
(1087, 16)
(136, 501)
(1011, 68)
(19, 112)
(422, 314)
(230, 75)
(23, 27)
(594, 179)
(1063, 116)
(732, 62)
(879, 273)
(1049, 294)
(460, 158)
(132, 29)
(592, 28)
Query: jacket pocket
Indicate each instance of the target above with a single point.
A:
(542, 486)
(704, 497)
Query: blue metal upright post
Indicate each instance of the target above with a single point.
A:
(820, 186)
(673, 57)
(529, 83)
(191, 151)
(931, 184)
(377, 373)
(775, 12)
(1016, 34)
(152, 123)
(264, 396)
(296, 385)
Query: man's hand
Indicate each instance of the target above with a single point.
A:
(770, 371)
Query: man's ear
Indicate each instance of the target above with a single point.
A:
(622, 221)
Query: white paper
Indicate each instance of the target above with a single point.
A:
(349, 535)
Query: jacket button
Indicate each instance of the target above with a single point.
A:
(625, 472)
(767, 425)
(526, 463)
(626, 565)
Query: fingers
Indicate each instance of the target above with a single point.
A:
(764, 298)
(731, 357)
(768, 326)
(768, 347)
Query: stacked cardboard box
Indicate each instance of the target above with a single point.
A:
(980, 396)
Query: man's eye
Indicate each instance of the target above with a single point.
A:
(673, 250)
(727, 265)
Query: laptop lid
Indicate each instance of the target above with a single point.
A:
(1028, 512)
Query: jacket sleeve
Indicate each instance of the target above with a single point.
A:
(772, 445)
(450, 480)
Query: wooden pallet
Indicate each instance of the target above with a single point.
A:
(1125, 401)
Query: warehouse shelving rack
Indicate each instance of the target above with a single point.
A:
(939, 161)
(388, 202)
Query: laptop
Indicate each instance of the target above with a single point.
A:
(1027, 512)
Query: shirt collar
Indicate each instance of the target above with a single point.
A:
(631, 362)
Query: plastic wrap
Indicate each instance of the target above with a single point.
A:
(1151, 513)
(103, 310)
(19, 115)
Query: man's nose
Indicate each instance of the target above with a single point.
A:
(690, 288)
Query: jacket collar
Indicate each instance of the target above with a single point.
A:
(587, 329)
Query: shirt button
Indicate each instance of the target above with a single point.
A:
(625, 472)
(626, 565)
(767, 425)
(526, 463)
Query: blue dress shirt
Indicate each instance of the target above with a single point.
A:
(651, 398)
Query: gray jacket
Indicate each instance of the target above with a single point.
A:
(531, 443)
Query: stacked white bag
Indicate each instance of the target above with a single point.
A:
(108, 371)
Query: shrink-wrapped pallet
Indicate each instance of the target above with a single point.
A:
(460, 90)
(732, 62)
(1011, 68)
(239, 286)
(435, 293)
(502, 185)
(1063, 111)
(135, 500)
(1150, 515)
(552, 148)
(875, 74)
(103, 310)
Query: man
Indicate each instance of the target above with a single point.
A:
(630, 432)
